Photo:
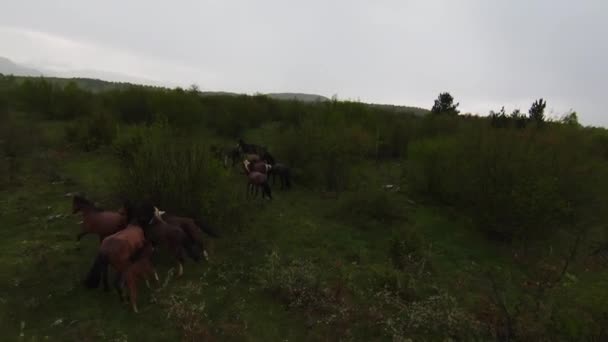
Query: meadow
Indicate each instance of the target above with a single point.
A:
(400, 225)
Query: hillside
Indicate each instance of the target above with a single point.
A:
(8, 67)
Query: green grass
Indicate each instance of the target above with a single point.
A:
(42, 265)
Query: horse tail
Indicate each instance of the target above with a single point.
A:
(288, 178)
(206, 228)
(94, 275)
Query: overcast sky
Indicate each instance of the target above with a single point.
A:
(487, 53)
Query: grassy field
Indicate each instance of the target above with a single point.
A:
(365, 265)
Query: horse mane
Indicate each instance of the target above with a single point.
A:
(86, 203)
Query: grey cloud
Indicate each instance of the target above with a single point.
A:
(487, 53)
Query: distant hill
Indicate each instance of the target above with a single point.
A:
(8, 67)
(297, 96)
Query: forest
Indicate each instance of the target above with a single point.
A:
(400, 225)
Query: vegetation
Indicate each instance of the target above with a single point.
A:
(399, 225)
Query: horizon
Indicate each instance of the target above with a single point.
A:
(384, 53)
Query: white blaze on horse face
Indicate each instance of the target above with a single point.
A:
(156, 276)
(158, 214)
(206, 255)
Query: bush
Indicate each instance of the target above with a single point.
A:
(92, 132)
(17, 140)
(515, 183)
(180, 176)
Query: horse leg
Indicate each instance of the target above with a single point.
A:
(118, 285)
(79, 236)
(178, 253)
(132, 292)
(104, 275)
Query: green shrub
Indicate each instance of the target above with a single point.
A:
(180, 176)
(515, 183)
(92, 132)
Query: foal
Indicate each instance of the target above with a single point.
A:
(96, 220)
(140, 269)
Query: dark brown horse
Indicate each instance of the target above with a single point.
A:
(284, 174)
(173, 238)
(118, 249)
(255, 181)
(250, 148)
(260, 166)
(193, 228)
(96, 220)
(141, 268)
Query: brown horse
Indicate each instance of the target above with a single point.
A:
(140, 269)
(193, 228)
(260, 167)
(171, 237)
(96, 220)
(257, 180)
(118, 249)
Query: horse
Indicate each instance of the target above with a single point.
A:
(117, 250)
(171, 237)
(268, 158)
(192, 228)
(140, 268)
(261, 167)
(96, 220)
(284, 173)
(250, 148)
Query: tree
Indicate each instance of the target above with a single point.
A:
(445, 105)
(537, 111)
(500, 119)
(570, 119)
(518, 118)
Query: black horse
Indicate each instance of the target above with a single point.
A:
(245, 148)
(284, 174)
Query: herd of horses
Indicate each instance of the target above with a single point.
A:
(131, 235)
(257, 164)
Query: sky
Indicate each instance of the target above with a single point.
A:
(486, 53)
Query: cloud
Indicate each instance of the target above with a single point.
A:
(61, 55)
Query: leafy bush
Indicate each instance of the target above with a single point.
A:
(515, 183)
(179, 176)
(92, 132)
